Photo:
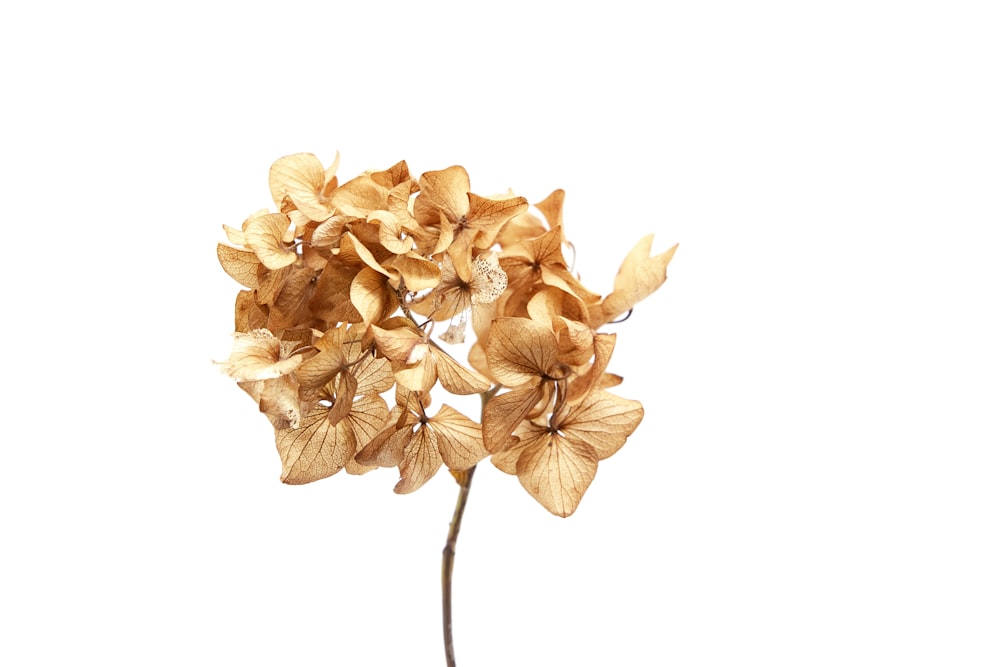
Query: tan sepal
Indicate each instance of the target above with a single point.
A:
(259, 355)
(397, 338)
(460, 440)
(314, 450)
(302, 179)
(343, 403)
(556, 472)
(374, 375)
(527, 433)
(327, 234)
(504, 412)
(265, 236)
(552, 208)
(320, 369)
(603, 346)
(518, 229)
(445, 191)
(249, 314)
(639, 276)
(386, 448)
(519, 350)
(603, 421)
(421, 460)
(455, 377)
(368, 417)
(372, 296)
(489, 215)
(241, 265)
(418, 273)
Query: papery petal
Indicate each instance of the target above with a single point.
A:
(258, 356)
(639, 276)
(314, 450)
(602, 421)
(455, 377)
(557, 473)
(421, 460)
(460, 440)
(241, 265)
(265, 237)
(520, 351)
(504, 412)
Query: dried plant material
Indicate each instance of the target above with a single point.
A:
(334, 283)
(265, 235)
(301, 179)
(418, 445)
(639, 276)
(259, 355)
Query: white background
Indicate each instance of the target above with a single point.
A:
(816, 478)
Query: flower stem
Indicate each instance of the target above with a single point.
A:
(464, 479)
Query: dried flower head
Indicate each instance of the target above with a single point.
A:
(342, 287)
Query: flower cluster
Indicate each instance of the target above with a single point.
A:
(343, 287)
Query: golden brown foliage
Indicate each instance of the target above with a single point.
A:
(342, 286)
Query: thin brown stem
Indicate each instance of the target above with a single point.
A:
(464, 479)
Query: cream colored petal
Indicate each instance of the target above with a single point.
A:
(258, 356)
(279, 400)
(418, 376)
